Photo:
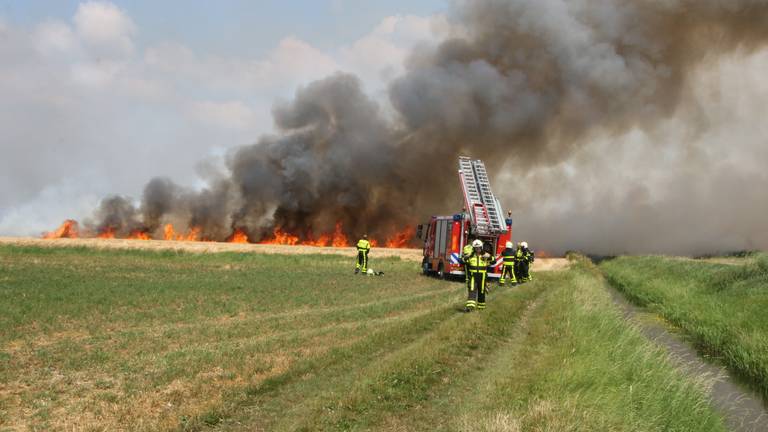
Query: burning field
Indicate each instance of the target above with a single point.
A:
(70, 229)
(512, 85)
(412, 255)
(107, 323)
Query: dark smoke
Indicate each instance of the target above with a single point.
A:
(160, 197)
(116, 214)
(522, 84)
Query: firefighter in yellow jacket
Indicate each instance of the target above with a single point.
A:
(477, 264)
(524, 257)
(508, 268)
(466, 252)
(528, 258)
(363, 247)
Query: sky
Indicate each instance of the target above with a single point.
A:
(238, 27)
(100, 96)
(97, 97)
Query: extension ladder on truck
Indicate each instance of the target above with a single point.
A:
(484, 209)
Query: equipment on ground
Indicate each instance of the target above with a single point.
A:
(481, 221)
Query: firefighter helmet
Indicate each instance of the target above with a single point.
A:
(370, 272)
(477, 243)
(524, 244)
(509, 244)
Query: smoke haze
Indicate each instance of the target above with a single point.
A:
(593, 117)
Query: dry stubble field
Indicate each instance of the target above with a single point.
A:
(119, 339)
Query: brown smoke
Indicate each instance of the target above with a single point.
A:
(522, 84)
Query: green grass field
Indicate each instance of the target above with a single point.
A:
(117, 340)
(720, 303)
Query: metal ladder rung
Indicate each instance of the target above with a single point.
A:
(477, 192)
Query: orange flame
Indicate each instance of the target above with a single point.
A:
(239, 236)
(139, 235)
(402, 238)
(193, 234)
(68, 229)
(168, 232)
(323, 240)
(334, 239)
(282, 238)
(107, 233)
(339, 239)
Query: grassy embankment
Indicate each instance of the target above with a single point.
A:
(720, 303)
(145, 341)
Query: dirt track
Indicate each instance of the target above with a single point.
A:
(541, 264)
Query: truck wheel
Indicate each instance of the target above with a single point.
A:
(425, 267)
(441, 272)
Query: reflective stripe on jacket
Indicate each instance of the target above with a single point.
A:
(478, 264)
(509, 256)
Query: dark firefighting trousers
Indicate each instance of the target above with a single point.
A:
(362, 260)
(476, 289)
(508, 269)
(524, 275)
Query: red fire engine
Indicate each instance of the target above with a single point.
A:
(483, 218)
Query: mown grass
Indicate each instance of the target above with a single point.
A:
(578, 366)
(553, 355)
(152, 340)
(722, 307)
(119, 340)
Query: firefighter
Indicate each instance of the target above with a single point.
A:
(363, 247)
(523, 259)
(467, 252)
(519, 261)
(529, 258)
(477, 264)
(508, 268)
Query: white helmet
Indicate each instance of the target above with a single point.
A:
(370, 271)
(524, 244)
(509, 244)
(477, 243)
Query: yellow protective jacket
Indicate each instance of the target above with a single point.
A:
(478, 264)
(529, 256)
(520, 255)
(363, 245)
(467, 252)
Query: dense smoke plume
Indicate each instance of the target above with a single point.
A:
(523, 84)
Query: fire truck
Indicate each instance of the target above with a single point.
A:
(482, 218)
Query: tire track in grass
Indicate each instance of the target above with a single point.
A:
(439, 415)
(259, 406)
(413, 376)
